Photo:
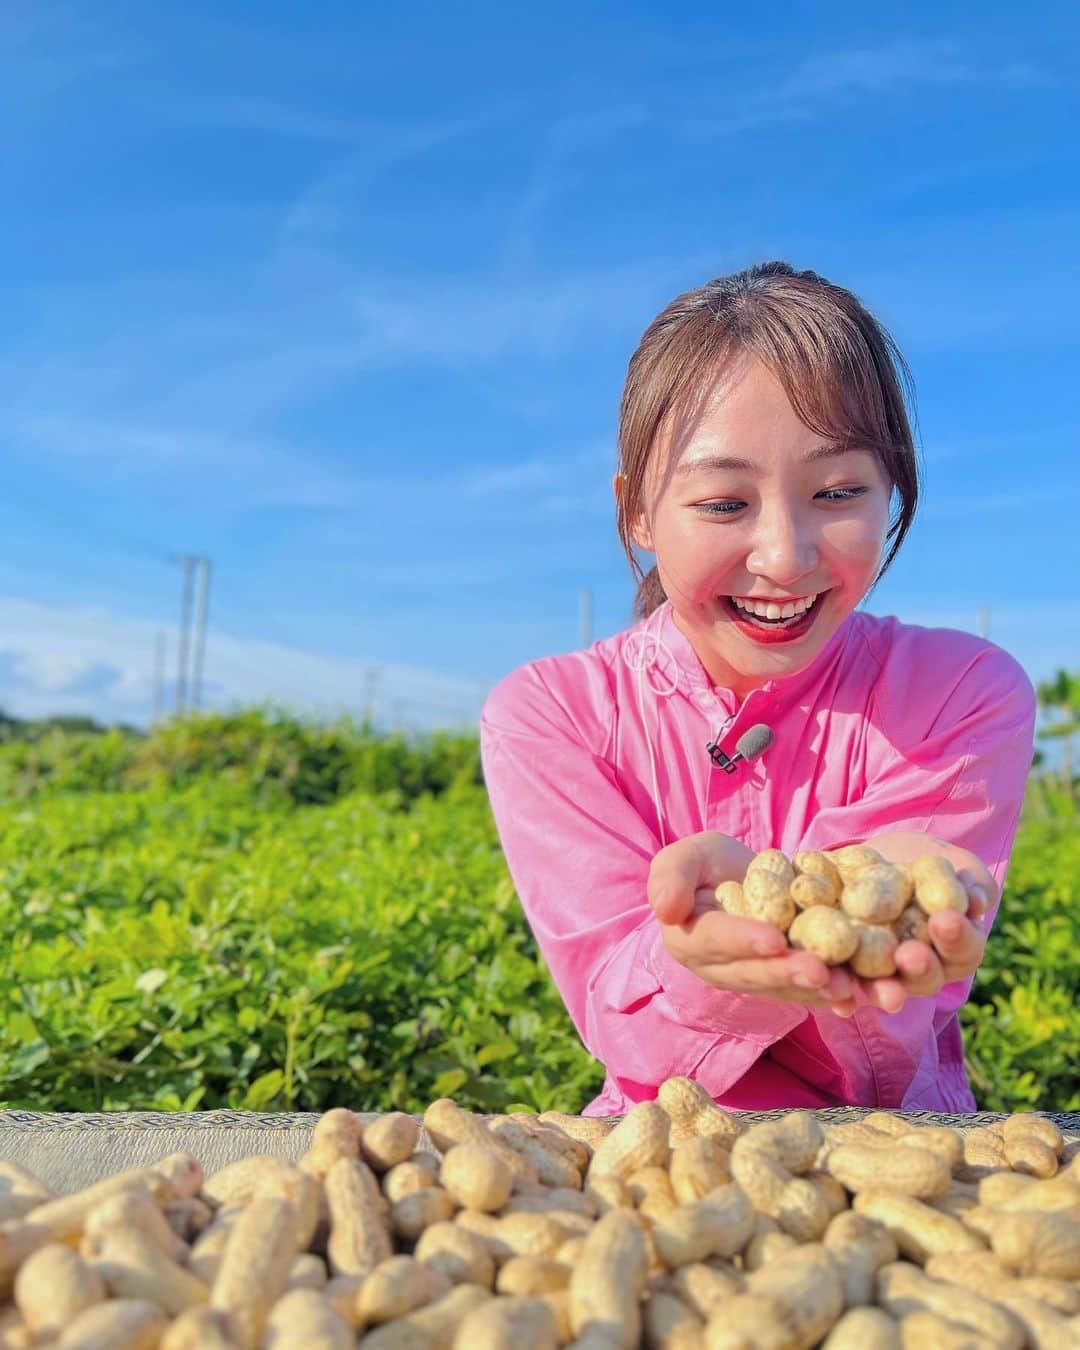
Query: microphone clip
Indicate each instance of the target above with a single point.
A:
(720, 760)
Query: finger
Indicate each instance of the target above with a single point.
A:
(800, 978)
(888, 994)
(842, 986)
(718, 938)
(700, 861)
(919, 968)
(959, 943)
(982, 890)
(978, 901)
(711, 935)
(675, 875)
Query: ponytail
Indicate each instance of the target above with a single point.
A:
(650, 594)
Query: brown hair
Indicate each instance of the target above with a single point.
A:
(842, 372)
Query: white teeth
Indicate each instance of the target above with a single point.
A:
(772, 610)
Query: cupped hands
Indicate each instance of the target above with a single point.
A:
(748, 956)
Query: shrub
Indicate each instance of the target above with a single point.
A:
(182, 947)
(1022, 1023)
(278, 756)
(250, 910)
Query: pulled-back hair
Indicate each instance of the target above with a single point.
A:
(842, 372)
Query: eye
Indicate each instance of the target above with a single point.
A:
(727, 508)
(842, 494)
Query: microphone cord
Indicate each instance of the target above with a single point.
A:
(649, 643)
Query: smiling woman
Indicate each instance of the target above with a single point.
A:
(766, 460)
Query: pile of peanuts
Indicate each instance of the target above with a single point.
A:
(680, 1227)
(848, 905)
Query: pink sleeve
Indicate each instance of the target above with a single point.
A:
(954, 767)
(953, 762)
(579, 855)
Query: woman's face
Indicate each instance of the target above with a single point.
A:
(744, 506)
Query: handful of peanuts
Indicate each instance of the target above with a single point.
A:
(847, 905)
(682, 1227)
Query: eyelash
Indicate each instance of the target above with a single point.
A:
(833, 494)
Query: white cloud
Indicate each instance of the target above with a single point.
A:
(531, 473)
(252, 474)
(55, 660)
(248, 473)
(879, 67)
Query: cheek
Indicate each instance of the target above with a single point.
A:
(855, 544)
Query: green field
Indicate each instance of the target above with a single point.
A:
(252, 912)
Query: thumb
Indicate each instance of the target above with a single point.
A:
(677, 873)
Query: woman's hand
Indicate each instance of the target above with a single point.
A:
(957, 941)
(726, 951)
(749, 957)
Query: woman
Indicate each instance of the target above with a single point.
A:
(763, 441)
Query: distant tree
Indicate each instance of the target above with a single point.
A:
(1059, 698)
(71, 722)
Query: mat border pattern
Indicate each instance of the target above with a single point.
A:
(62, 1121)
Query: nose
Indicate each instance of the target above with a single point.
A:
(784, 546)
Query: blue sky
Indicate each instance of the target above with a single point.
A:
(342, 297)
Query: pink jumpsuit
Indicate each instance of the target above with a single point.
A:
(891, 727)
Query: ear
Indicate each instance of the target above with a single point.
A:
(640, 532)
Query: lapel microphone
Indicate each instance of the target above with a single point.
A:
(750, 745)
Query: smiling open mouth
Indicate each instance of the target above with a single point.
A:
(779, 625)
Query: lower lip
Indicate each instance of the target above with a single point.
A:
(774, 636)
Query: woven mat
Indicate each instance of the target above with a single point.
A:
(71, 1151)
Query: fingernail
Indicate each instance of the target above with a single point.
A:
(843, 1010)
(767, 946)
(805, 981)
(979, 895)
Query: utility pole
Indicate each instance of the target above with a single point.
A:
(202, 602)
(159, 676)
(189, 562)
(370, 676)
(585, 615)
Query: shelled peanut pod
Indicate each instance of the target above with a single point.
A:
(682, 1227)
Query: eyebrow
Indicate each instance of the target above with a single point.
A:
(713, 462)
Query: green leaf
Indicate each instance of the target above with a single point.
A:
(264, 1089)
(150, 981)
(27, 1059)
(491, 1054)
(21, 1027)
(449, 1082)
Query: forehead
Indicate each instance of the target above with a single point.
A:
(740, 421)
(743, 400)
